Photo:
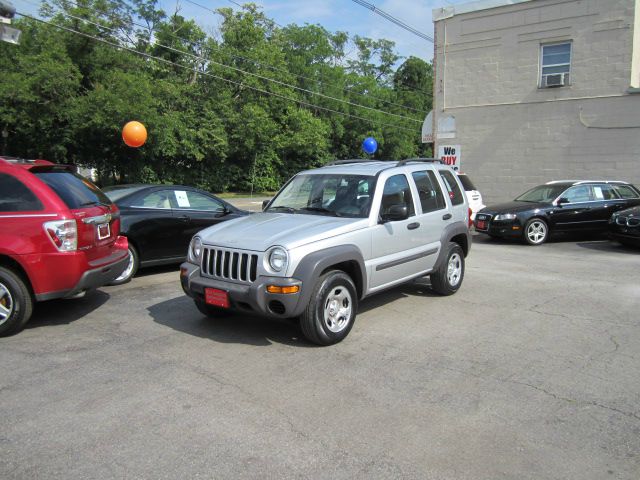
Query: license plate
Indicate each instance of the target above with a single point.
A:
(481, 225)
(103, 231)
(218, 298)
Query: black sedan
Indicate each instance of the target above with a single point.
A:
(560, 206)
(159, 221)
(625, 227)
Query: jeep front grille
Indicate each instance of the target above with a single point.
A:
(229, 264)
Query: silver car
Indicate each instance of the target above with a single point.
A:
(329, 238)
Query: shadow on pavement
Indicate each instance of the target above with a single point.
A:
(63, 312)
(609, 246)
(181, 315)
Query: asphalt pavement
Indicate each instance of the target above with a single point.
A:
(531, 371)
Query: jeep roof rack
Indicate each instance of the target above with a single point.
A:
(353, 160)
(425, 160)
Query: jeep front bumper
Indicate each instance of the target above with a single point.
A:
(243, 297)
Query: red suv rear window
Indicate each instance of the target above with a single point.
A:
(74, 190)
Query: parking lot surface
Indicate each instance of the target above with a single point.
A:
(531, 371)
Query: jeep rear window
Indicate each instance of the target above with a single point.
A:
(15, 196)
(74, 190)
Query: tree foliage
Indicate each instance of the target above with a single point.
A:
(242, 108)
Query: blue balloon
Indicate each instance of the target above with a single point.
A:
(369, 145)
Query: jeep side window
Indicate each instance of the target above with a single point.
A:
(397, 192)
(15, 196)
(429, 191)
(455, 194)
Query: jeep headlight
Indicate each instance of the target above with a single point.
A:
(195, 250)
(278, 259)
(505, 216)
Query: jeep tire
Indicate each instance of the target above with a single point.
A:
(16, 302)
(447, 279)
(331, 312)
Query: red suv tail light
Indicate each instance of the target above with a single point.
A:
(63, 234)
(470, 221)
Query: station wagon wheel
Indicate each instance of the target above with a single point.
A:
(331, 311)
(536, 231)
(131, 269)
(16, 302)
(447, 278)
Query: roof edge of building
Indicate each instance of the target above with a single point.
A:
(448, 12)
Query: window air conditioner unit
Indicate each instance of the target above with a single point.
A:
(555, 80)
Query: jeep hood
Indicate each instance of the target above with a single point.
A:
(262, 230)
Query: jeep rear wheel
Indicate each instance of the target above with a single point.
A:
(331, 312)
(447, 279)
(16, 302)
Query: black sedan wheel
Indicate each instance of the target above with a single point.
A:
(132, 268)
(536, 231)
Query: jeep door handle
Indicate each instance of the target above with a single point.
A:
(413, 226)
(184, 218)
(446, 216)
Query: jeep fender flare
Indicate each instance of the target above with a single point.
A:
(457, 232)
(347, 258)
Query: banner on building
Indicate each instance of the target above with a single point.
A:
(450, 155)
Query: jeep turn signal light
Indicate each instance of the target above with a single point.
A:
(278, 289)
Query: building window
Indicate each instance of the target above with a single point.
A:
(555, 64)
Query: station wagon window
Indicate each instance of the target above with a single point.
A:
(577, 194)
(15, 196)
(604, 192)
(455, 194)
(397, 192)
(555, 64)
(429, 191)
(625, 191)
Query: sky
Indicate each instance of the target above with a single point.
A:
(337, 15)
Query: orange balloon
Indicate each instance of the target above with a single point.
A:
(134, 134)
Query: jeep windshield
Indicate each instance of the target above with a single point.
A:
(336, 195)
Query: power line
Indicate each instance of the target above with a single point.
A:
(163, 60)
(230, 67)
(398, 22)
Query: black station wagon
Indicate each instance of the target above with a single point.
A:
(559, 206)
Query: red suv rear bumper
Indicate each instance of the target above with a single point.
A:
(73, 272)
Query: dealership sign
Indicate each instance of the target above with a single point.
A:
(450, 155)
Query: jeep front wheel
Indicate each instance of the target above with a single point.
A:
(16, 303)
(331, 312)
(446, 280)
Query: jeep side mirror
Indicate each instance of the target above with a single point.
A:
(265, 203)
(562, 200)
(395, 212)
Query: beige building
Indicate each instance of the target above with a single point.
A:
(528, 91)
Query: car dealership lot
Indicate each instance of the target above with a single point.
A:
(529, 371)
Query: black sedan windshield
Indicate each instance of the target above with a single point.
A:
(542, 194)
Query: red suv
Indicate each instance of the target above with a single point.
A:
(58, 237)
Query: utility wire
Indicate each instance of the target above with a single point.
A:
(271, 67)
(393, 19)
(230, 67)
(240, 84)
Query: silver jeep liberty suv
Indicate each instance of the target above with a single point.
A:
(329, 238)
